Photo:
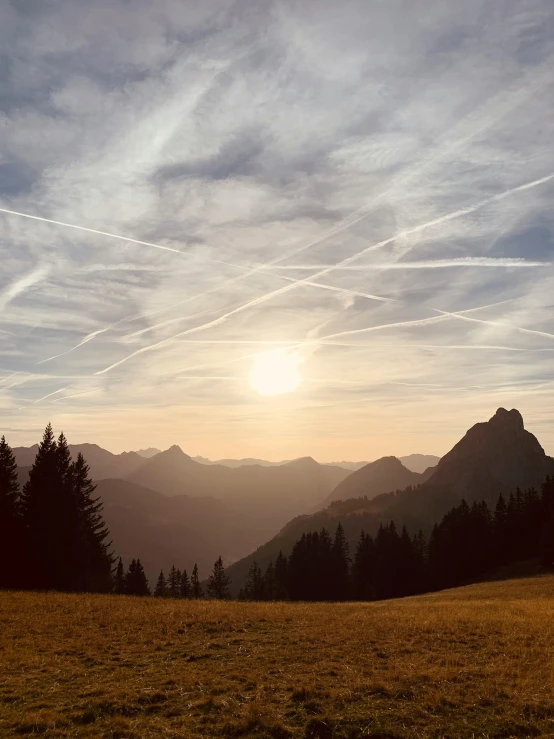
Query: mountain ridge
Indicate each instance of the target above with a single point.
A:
(493, 457)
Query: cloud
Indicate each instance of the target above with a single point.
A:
(21, 284)
(210, 183)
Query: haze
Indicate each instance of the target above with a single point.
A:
(366, 187)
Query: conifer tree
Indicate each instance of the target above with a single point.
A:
(218, 582)
(135, 579)
(161, 589)
(254, 587)
(269, 582)
(363, 570)
(119, 579)
(96, 559)
(195, 586)
(281, 585)
(340, 565)
(546, 554)
(184, 586)
(173, 583)
(501, 536)
(43, 507)
(10, 532)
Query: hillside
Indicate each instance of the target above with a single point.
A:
(178, 530)
(274, 494)
(378, 477)
(475, 661)
(493, 457)
(102, 463)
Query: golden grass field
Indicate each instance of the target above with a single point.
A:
(472, 662)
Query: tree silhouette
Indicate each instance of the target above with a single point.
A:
(96, 559)
(161, 589)
(173, 582)
(254, 588)
(10, 531)
(135, 579)
(184, 586)
(218, 582)
(45, 518)
(119, 586)
(546, 553)
(195, 586)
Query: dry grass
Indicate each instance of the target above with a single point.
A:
(472, 662)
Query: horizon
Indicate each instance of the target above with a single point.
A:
(273, 233)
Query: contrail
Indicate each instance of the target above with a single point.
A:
(89, 230)
(488, 262)
(87, 338)
(75, 395)
(23, 283)
(496, 323)
(381, 327)
(478, 121)
(45, 397)
(348, 260)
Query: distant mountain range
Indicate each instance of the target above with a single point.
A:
(101, 462)
(492, 458)
(414, 462)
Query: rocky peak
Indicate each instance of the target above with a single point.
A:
(498, 454)
(509, 420)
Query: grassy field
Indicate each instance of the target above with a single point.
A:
(472, 662)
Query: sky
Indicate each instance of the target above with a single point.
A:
(363, 189)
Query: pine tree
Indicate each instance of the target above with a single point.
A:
(43, 507)
(119, 579)
(96, 559)
(135, 579)
(501, 534)
(340, 566)
(161, 589)
(281, 585)
(184, 586)
(195, 587)
(254, 587)
(173, 582)
(269, 582)
(10, 532)
(363, 570)
(546, 554)
(218, 582)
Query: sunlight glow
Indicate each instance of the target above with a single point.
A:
(275, 373)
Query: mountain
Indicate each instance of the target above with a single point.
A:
(180, 530)
(493, 457)
(266, 495)
(238, 462)
(413, 462)
(147, 453)
(102, 463)
(378, 477)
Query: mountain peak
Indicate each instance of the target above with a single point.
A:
(493, 457)
(175, 452)
(302, 462)
(508, 419)
(385, 475)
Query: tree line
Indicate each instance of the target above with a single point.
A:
(468, 541)
(53, 537)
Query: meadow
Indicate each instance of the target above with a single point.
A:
(476, 661)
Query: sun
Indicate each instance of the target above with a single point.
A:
(275, 373)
